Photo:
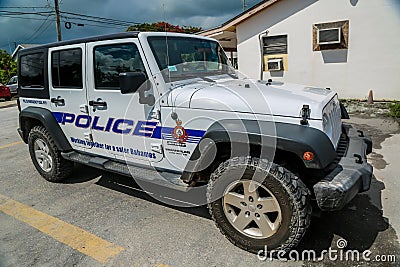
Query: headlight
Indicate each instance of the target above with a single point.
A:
(326, 124)
(325, 121)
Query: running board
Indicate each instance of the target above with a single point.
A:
(167, 179)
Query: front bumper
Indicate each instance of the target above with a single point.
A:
(351, 176)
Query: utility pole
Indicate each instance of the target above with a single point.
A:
(58, 28)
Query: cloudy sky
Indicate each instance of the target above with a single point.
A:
(35, 29)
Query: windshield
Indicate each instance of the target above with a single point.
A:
(189, 57)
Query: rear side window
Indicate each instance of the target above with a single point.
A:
(32, 71)
(111, 60)
(66, 68)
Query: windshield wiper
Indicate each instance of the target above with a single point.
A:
(192, 76)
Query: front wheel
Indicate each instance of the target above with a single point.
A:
(46, 157)
(273, 211)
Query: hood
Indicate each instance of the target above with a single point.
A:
(256, 97)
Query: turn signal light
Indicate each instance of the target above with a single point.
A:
(308, 156)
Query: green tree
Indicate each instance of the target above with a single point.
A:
(163, 26)
(8, 67)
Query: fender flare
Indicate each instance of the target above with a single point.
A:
(293, 138)
(49, 122)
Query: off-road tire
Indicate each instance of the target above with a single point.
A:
(61, 168)
(289, 190)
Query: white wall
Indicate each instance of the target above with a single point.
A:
(371, 62)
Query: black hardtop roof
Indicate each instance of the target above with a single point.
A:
(83, 40)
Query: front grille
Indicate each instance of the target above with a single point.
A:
(337, 120)
(342, 146)
(333, 112)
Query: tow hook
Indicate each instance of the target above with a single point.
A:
(358, 158)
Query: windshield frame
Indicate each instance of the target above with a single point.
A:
(174, 51)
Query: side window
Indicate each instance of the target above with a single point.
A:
(32, 71)
(111, 60)
(66, 68)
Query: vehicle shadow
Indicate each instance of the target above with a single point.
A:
(82, 174)
(127, 185)
(359, 223)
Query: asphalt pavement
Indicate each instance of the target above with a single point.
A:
(103, 219)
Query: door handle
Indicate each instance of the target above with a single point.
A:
(58, 101)
(94, 103)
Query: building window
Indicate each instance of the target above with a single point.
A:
(66, 68)
(32, 71)
(275, 45)
(275, 53)
(331, 35)
(111, 60)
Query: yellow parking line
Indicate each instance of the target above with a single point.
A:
(12, 144)
(75, 237)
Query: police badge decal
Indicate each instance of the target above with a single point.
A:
(180, 134)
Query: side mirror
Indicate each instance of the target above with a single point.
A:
(130, 82)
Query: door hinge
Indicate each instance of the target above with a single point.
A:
(155, 114)
(157, 148)
(88, 136)
(84, 109)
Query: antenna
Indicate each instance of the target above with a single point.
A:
(164, 17)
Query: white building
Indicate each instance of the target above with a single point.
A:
(14, 55)
(351, 46)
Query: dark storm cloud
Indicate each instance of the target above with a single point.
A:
(203, 13)
(204, 8)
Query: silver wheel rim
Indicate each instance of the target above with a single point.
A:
(42, 155)
(252, 209)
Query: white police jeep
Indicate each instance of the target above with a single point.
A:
(169, 109)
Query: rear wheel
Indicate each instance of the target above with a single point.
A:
(46, 157)
(273, 212)
(8, 98)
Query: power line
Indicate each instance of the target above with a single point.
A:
(105, 26)
(25, 13)
(43, 31)
(19, 14)
(71, 17)
(37, 30)
(15, 17)
(100, 18)
(94, 25)
(98, 21)
(23, 7)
